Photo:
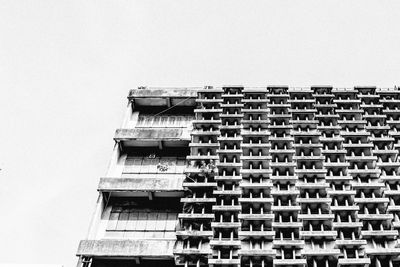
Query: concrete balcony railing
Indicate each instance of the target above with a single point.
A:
(153, 136)
(144, 186)
(154, 249)
(153, 96)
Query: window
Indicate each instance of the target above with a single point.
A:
(164, 121)
(135, 222)
(156, 165)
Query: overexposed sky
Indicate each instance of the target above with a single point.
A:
(66, 67)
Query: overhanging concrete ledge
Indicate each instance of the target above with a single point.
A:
(173, 134)
(167, 183)
(126, 248)
(182, 92)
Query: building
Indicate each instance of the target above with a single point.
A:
(237, 176)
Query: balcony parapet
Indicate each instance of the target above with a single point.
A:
(255, 133)
(290, 262)
(153, 96)
(211, 100)
(372, 106)
(224, 261)
(198, 200)
(333, 151)
(390, 178)
(290, 192)
(350, 243)
(389, 234)
(162, 134)
(300, 110)
(287, 225)
(195, 233)
(196, 216)
(226, 225)
(380, 128)
(202, 133)
(354, 261)
(126, 248)
(316, 105)
(231, 105)
(256, 217)
(292, 209)
(318, 234)
(361, 158)
(192, 251)
(340, 225)
(331, 139)
(302, 185)
(368, 185)
(382, 251)
(316, 217)
(375, 217)
(208, 110)
(371, 200)
(160, 183)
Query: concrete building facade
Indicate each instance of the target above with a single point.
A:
(238, 176)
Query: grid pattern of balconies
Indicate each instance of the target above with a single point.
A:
(276, 176)
(299, 177)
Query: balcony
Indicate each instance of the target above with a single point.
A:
(156, 128)
(153, 96)
(160, 173)
(133, 228)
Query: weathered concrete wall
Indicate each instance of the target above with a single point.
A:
(153, 134)
(164, 92)
(166, 183)
(121, 248)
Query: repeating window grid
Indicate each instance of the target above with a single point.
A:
(145, 165)
(166, 121)
(143, 221)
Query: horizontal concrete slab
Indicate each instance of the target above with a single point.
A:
(126, 248)
(164, 92)
(163, 134)
(164, 183)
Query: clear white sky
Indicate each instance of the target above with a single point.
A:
(66, 67)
